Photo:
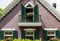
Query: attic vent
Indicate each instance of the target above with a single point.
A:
(54, 5)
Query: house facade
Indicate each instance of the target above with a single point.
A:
(31, 19)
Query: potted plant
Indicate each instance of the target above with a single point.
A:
(30, 14)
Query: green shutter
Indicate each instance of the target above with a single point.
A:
(22, 34)
(23, 11)
(36, 34)
(1, 34)
(36, 14)
(15, 34)
(58, 34)
(45, 35)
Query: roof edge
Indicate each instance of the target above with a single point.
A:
(50, 8)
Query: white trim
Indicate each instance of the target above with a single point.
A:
(30, 24)
(29, 29)
(30, 4)
(29, 35)
(50, 33)
(50, 28)
(8, 29)
(8, 35)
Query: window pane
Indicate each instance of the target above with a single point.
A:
(29, 33)
(10, 33)
(6, 33)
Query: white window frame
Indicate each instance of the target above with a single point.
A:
(8, 31)
(31, 8)
(29, 30)
(51, 34)
(30, 4)
(51, 29)
(29, 35)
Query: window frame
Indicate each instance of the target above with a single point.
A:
(29, 35)
(33, 12)
(51, 33)
(8, 35)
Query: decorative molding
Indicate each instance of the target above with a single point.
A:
(50, 28)
(30, 4)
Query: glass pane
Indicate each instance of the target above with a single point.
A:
(29, 33)
(29, 37)
(10, 33)
(29, 14)
(6, 33)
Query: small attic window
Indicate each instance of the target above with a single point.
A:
(54, 5)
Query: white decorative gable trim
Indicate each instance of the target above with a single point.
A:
(50, 28)
(30, 4)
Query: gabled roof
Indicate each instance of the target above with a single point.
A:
(50, 8)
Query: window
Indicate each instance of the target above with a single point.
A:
(8, 34)
(29, 35)
(50, 33)
(29, 13)
(54, 5)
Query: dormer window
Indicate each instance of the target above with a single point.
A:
(54, 5)
(29, 13)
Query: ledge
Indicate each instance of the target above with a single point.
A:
(29, 24)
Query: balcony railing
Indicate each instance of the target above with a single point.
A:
(25, 23)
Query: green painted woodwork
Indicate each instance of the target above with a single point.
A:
(1, 34)
(23, 13)
(36, 19)
(22, 34)
(58, 34)
(45, 35)
(15, 34)
(36, 34)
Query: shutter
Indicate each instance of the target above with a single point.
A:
(45, 35)
(22, 34)
(1, 34)
(36, 13)
(58, 34)
(23, 13)
(15, 34)
(36, 34)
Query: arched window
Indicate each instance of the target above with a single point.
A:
(54, 5)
